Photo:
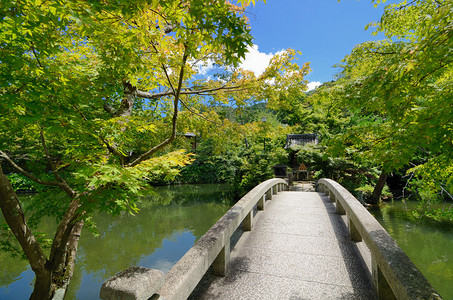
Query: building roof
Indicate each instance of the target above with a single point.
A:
(301, 139)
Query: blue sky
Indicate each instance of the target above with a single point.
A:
(323, 30)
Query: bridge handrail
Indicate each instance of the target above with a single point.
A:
(212, 249)
(394, 274)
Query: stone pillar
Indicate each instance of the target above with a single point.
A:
(320, 188)
(247, 224)
(269, 194)
(381, 286)
(340, 208)
(219, 266)
(354, 234)
(331, 196)
(261, 202)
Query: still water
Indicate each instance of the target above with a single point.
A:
(156, 238)
(429, 246)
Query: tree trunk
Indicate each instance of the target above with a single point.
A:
(376, 196)
(53, 273)
(43, 286)
(15, 218)
(63, 273)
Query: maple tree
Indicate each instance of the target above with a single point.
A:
(401, 89)
(96, 89)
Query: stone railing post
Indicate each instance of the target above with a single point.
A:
(331, 196)
(133, 283)
(354, 233)
(219, 266)
(340, 208)
(381, 285)
(247, 223)
(269, 194)
(261, 202)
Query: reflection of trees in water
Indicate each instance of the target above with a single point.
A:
(125, 240)
(10, 269)
(429, 246)
(193, 193)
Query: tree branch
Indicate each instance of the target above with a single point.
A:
(58, 250)
(111, 148)
(195, 113)
(431, 72)
(177, 94)
(109, 109)
(188, 91)
(36, 56)
(63, 184)
(27, 174)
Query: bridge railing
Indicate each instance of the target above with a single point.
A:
(212, 249)
(393, 273)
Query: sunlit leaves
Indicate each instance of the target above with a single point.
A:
(405, 84)
(102, 180)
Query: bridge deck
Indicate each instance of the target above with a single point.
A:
(298, 249)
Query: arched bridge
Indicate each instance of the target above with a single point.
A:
(281, 243)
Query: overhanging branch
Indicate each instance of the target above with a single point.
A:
(177, 94)
(27, 174)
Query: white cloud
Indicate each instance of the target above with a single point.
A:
(204, 66)
(312, 85)
(256, 61)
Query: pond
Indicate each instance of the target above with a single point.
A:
(156, 238)
(429, 246)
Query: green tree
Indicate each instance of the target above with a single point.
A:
(91, 94)
(401, 88)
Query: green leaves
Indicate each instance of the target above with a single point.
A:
(400, 91)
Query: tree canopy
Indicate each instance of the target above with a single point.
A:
(399, 89)
(94, 95)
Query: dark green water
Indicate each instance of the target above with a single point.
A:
(156, 238)
(429, 246)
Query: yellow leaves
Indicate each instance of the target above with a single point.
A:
(19, 109)
(177, 158)
(146, 127)
(166, 166)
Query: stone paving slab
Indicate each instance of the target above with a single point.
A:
(312, 207)
(253, 286)
(301, 227)
(295, 265)
(298, 249)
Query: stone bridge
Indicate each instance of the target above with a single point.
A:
(285, 243)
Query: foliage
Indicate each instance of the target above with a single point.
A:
(398, 92)
(258, 162)
(21, 183)
(438, 215)
(91, 99)
(211, 167)
(367, 191)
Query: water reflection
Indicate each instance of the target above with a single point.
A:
(429, 246)
(156, 238)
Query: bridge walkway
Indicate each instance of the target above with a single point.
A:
(298, 249)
